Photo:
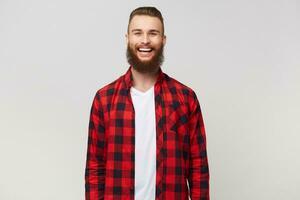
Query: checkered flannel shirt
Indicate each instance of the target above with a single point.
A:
(181, 157)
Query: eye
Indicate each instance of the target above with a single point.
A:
(153, 33)
(137, 33)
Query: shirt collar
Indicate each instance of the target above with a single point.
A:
(128, 79)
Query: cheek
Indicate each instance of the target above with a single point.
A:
(157, 45)
(133, 40)
(132, 45)
(157, 42)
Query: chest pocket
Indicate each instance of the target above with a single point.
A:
(177, 134)
(177, 117)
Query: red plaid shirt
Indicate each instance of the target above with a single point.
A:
(180, 143)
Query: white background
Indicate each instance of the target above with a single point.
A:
(242, 58)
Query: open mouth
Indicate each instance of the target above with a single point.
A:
(145, 50)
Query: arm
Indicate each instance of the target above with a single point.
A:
(198, 173)
(95, 164)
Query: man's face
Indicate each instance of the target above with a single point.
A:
(145, 42)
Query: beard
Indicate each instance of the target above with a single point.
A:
(150, 66)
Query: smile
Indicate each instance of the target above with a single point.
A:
(144, 49)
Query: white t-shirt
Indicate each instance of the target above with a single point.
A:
(145, 143)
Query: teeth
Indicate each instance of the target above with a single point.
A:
(144, 49)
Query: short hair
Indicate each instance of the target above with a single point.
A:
(149, 11)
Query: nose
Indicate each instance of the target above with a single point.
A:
(145, 39)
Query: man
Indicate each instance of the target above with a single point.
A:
(146, 133)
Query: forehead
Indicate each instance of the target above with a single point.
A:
(145, 22)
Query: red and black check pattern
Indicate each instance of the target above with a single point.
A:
(180, 141)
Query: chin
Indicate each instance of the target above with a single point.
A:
(145, 60)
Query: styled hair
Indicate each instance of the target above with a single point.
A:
(149, 11)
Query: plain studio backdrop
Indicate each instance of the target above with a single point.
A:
(242, 58)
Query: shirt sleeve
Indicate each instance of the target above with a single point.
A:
(198, 178)
(95, 164)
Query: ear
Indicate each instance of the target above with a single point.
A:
(164, 40)
(126, 36)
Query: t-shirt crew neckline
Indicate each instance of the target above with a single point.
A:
(138, 92)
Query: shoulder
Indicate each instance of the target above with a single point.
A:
(110, 88)
(104, 95)
(182, 91)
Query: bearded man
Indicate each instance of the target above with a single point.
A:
(146, 137)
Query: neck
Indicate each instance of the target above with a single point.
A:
(143, 81)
